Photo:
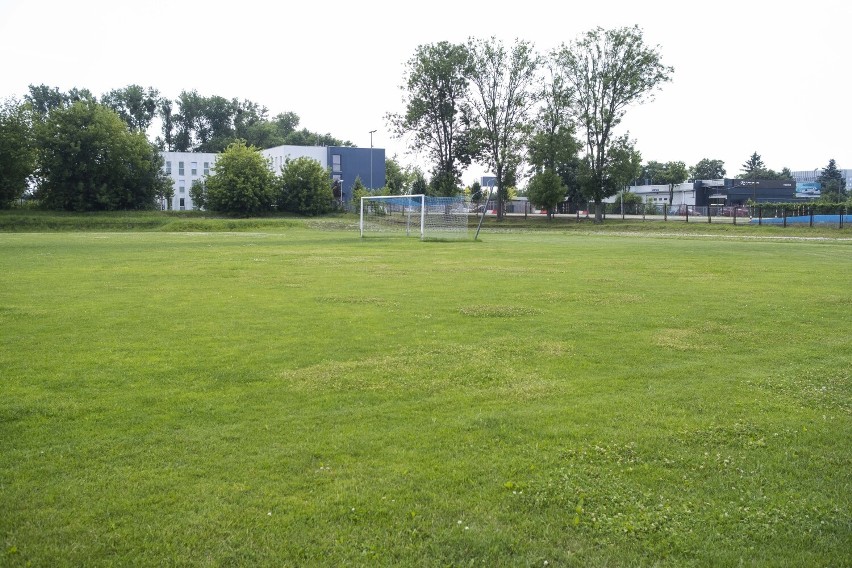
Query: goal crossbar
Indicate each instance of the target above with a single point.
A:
(415, 215)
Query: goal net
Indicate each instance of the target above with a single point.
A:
(415, 216)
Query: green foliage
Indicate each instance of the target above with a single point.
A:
(505, 90)
(419, 185)
(17, 150)
(607, 71)
(241, 182)
(545, 190)
(708, 169)
(437, 110)
(135, 105)
(358, 191)
(833, 183)
(198, 193)
(305, 187)
(210, 123)
(755, 169)
(443, 184)
(90, 161)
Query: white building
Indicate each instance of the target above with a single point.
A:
(346, 164)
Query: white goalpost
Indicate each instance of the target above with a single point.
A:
(415, 215)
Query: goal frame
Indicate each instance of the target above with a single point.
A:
(420, 196)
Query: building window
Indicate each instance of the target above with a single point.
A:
(194, 168)
(182, 204)
(335, 162)
(206, 168)
(182, 188)
(180, 168)
(168, 168)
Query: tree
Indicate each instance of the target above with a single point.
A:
(753, 167)
(833, 183)
(505, 90)
(359, 190)
(135, 105)
(546, 190)
(17, 150)
(653, 173)
(305, 187)
(553, 144)
(625, 162)
(708, 169)
(608, 70)
(397, 180)
(90, 161)
(674, 173)
(419, 185)
(241, 181)
(437, 112)
(443, 184)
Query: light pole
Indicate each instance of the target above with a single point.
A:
(371, 160)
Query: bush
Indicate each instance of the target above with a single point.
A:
(305, 188)
(241, 182)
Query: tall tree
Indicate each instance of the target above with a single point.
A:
(546, 190)
(708, 169)
(17, 150)
(90, 161)
(505, 91)
(608, 70)
(653, 173)
(437, 112)
(753, 167)
(135, 105)
(833, 183)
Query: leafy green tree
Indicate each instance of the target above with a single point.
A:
(653, 173)
(546, 190)
(359, 190)
(674, 173)
(44, 99)
(443, 184)
(505, 90)
(607, 71)
(708, 169)
(198, 194)
(476, 193)
(553, 144)
(17, 150)
(753, 167)
(419, 185)
(90, 161)
(437, 111)
(625, 162)
(241, 182)
(397, 180)
(305, 187)
(135, 105)
(833, 183)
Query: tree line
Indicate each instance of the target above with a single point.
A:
(75, 151)
(550, 116)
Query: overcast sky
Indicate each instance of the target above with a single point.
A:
(771, 77)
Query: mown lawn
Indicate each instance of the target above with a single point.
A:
(303, 397)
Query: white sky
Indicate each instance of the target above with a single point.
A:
(771, 77)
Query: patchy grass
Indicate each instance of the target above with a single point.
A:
(297, 396)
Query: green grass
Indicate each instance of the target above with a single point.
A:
(292, 395)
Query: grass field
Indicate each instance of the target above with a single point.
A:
(292, 395)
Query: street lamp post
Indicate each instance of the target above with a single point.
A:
(371, 160)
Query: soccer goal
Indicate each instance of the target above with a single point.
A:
(415, 216)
